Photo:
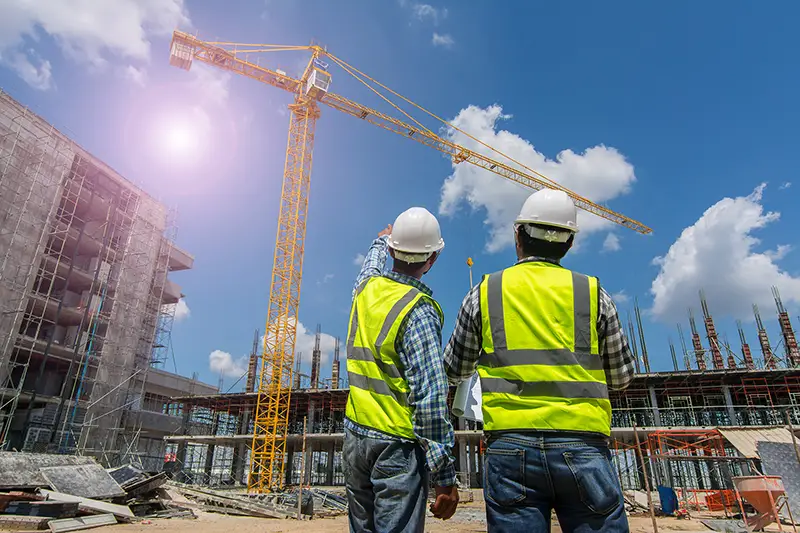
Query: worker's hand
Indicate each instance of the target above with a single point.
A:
(446, 502)
(387, 231)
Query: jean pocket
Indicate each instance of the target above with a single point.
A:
(395, 459)
(595, 480)
(505, 475)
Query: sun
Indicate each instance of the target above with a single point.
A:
(179, 138)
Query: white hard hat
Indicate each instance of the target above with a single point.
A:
(549, 207)
(415, 235)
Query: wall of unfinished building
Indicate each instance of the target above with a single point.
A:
(83, 268)
(33, 163)
(212, 446)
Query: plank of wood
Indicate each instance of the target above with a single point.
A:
(87, 504)
(82, 522)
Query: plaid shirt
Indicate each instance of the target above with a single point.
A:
(462, 352)
(419, 345)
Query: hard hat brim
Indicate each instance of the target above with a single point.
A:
(413, 250)
(573, 229)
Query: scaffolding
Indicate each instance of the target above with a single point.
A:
(84, 257)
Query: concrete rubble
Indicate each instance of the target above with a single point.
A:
(68, 493)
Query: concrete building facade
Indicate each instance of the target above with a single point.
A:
(86, 303)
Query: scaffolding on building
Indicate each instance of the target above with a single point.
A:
(83, 270)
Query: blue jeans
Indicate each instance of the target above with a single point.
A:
(526, 476)
(387, 484)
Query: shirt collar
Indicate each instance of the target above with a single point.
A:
(536, 259)
(408, 280)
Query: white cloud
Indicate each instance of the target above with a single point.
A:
(136, 75)
(325, 279)
(426, 12)
(785, 185)
(359, 260)
(620, 297)
(600, 173)
(223, 363)
(611, 244)
(213, 84)
(88, 31)
(718, 254)
(182, 310)
(33, 70)
(304, 343)
(443, 40)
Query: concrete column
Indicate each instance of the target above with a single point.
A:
(240, 450)
(309, 465)
(654, 405)
(210, 451)
(726, 391)
(180, 454)
(463, 462)
(289, 470)
(329, 466)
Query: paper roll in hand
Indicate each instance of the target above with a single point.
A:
(467, 401)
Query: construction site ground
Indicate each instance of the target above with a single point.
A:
(469, 518)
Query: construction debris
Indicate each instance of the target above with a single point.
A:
(232, 503)
(85, 522)
(48, 509)
(89, 481)
(73, 493)
(23, 471)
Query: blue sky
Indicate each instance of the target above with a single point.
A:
(674, 115)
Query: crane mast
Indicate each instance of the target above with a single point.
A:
(275, 378)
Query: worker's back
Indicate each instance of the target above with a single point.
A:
(541, 367)
(378, 396)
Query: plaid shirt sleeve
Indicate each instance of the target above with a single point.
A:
(374, 262)
(618, 360)
(464, 348)
(419, 348)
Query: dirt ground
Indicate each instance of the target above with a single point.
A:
(469, 518)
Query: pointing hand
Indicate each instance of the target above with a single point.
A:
(387, 231)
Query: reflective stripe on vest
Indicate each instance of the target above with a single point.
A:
(540, 367)
(378, 390)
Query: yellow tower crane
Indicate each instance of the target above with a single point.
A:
(275, 378)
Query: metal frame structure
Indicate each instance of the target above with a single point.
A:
(83, 272)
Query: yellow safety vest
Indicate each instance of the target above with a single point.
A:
(541, 367)
(378, 390)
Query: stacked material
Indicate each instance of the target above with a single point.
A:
(70, 493)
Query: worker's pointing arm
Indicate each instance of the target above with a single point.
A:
(375, 260)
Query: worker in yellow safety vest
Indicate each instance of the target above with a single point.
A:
(397, 426)
(547, 345)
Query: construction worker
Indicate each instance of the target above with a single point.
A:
(547, 345)
(397, 425)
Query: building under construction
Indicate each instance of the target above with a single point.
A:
(696, 425)
(86, 302)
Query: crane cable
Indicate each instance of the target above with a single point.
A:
(346, 69)
(346, 66)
